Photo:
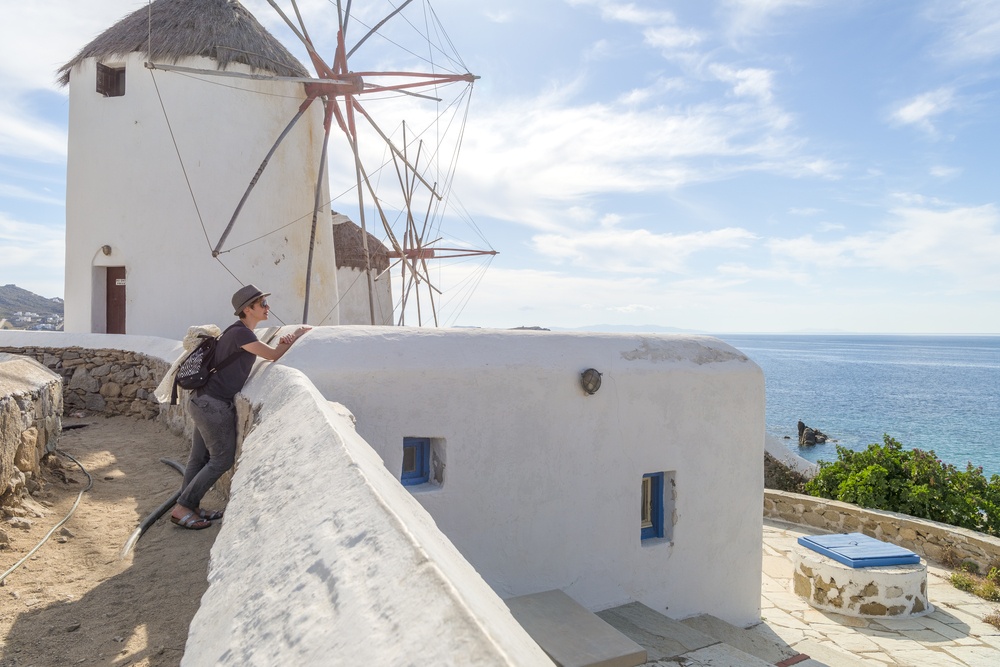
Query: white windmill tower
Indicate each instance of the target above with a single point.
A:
(158, 159)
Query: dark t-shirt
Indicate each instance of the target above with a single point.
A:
(230, 380)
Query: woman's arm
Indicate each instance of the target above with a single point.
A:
(265, 351)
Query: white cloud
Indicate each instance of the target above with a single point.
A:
(941, 171)
(671, 37)
(804, 211)
(499, 16)
(636, 251)
(35, 253)
(971, 29)
(752, 16)
(920, 110)
(8, 191)
(539, 155)
(625, 12)
(750, 81)
(23, 136)
(961, 242)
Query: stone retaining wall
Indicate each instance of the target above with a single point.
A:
(31, 405)
(934, 541)
(106, 381)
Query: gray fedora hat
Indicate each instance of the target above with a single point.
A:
(245, 296)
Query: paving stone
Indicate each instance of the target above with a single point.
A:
(942, 629)
(722, 655)
(855, 642)
(914, 658)
(828, 654)
(891, 643)
(974, 656)
(811, 615)
(925, 635)
(946, 617)
(897, 624)
(790, 636)
(759, 641)
(777, 566)
(781, 617)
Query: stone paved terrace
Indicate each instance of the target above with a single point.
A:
(954, 635)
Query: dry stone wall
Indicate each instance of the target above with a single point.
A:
(106, 381)
(934, 541)
(31, 407)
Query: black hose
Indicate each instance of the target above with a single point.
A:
(156, 514)
(90, 483)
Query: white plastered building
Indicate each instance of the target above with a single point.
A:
(540, 484)
(158, 161)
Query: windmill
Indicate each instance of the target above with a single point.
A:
(409, 218)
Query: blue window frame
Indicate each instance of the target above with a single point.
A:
(416, 461)
(652, 505)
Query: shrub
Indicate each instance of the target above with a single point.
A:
(987, 590)
(913, 482)
(781, 477)
(963, 582)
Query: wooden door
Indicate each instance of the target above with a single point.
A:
(116, 300)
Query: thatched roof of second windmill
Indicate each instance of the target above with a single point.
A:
(169, 30)
(348, 243)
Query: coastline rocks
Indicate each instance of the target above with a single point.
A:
(810, 436)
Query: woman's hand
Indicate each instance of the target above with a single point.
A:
(288, 339)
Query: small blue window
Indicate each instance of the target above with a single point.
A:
(416, 461)
(652, 505)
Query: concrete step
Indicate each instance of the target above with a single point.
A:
(662, 637)
(572, 635)
(758, 640)
(671, 641)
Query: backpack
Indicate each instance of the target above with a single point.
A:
(199, 366)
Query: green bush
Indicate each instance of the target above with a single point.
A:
(913, 482)
(963, 582)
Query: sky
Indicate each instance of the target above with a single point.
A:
(718, 166)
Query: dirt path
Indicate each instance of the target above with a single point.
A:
(74, 602)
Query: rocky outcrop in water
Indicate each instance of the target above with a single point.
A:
(810, 436)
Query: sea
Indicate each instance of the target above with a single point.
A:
(939, 393)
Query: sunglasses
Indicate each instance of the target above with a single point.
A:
(263, 303)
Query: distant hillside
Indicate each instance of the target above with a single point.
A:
(13, 299)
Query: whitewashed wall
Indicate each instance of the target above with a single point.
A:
(126, 188)
(323, 558)
(542, 482)
(354, 306)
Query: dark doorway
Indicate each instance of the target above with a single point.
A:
(116, 300)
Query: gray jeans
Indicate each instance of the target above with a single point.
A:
(213, 447)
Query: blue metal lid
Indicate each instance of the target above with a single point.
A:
(859, 550)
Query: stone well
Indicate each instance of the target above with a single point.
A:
(896, 591)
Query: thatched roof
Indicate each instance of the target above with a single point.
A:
(174, 29)
(347, 244)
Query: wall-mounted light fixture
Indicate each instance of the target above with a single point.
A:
(590, 379)
(106, 249)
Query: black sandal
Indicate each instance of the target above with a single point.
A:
(191, 521)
